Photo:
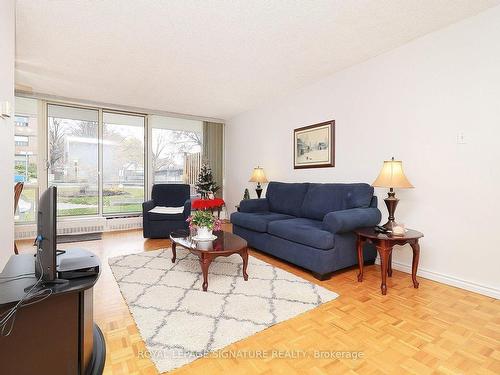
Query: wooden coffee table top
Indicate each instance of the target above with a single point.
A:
(226, 242)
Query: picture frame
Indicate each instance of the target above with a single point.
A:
(314, 146)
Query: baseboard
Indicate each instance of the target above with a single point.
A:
(449, 280)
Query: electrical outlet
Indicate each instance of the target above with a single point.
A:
(461, 138)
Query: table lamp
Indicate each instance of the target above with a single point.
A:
(259, 177)
(392, 176)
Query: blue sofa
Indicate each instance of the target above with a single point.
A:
(309, 224)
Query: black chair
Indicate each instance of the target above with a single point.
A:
(159, 225)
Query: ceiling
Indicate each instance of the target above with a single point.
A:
(210, 58)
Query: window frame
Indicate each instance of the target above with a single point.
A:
(46, 105)
(32, 140)
(110, 215)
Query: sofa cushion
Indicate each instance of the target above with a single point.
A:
(304, 231)
(286, 198)
(257, 221)
(323, 198)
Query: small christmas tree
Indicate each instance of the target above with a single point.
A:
(246, 195)
(206, 184)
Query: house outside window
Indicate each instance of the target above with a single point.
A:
(21, 140)
(22, 121)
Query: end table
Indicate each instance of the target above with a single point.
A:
(384, 244)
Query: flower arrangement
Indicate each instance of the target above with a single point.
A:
(200, 219)
(203, 219)
(207, 204)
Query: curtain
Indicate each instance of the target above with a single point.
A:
(213, 138)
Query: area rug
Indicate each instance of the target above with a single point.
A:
(180, 323)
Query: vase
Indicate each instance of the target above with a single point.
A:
(204, 233)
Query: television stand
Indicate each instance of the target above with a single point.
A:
(46, 285)
(54, 336)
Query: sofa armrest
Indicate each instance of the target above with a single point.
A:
(254, 205)
(187, 208)
(148, 205)
(348, 220)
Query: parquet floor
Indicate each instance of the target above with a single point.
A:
(436, 329)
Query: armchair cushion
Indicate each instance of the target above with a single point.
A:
(170, 195)
(348, 220)
(168, 210)
(254, 205)
(155, 216)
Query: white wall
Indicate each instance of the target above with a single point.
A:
(7, 41)
(408, 103)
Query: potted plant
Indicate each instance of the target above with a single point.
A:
(205, 223)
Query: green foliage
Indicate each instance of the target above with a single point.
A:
(21, 170)
(203, 219)
(206, 184)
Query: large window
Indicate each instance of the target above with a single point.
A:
(97, 157)
(26, 157)
(73, 159)
(176, 146)
(123, 163)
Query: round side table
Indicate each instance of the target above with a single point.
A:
(384, 244)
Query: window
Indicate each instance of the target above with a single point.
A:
(26, 158)
(97, 157)
(73, 159)
(123, 163)
(175, 149)
(22, 121)
(21, 140)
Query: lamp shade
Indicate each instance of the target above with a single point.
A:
(392, 176)
(258, 175)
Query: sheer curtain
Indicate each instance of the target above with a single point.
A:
(213, 139)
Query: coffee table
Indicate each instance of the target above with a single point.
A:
(225, 245)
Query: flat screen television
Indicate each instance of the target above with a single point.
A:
(47, 236)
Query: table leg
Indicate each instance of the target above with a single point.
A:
(244, 256)
(389, 266)
(174, 254)
(360, 259)
(205, 261)
(384, 253)
(414, 265)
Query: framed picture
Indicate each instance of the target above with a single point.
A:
(314, 146)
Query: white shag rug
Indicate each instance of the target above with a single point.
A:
(180, 323)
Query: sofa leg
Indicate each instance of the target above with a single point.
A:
(322, 276)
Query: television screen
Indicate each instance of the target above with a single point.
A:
(47, 231)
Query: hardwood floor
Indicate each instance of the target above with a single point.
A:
(435, 329)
